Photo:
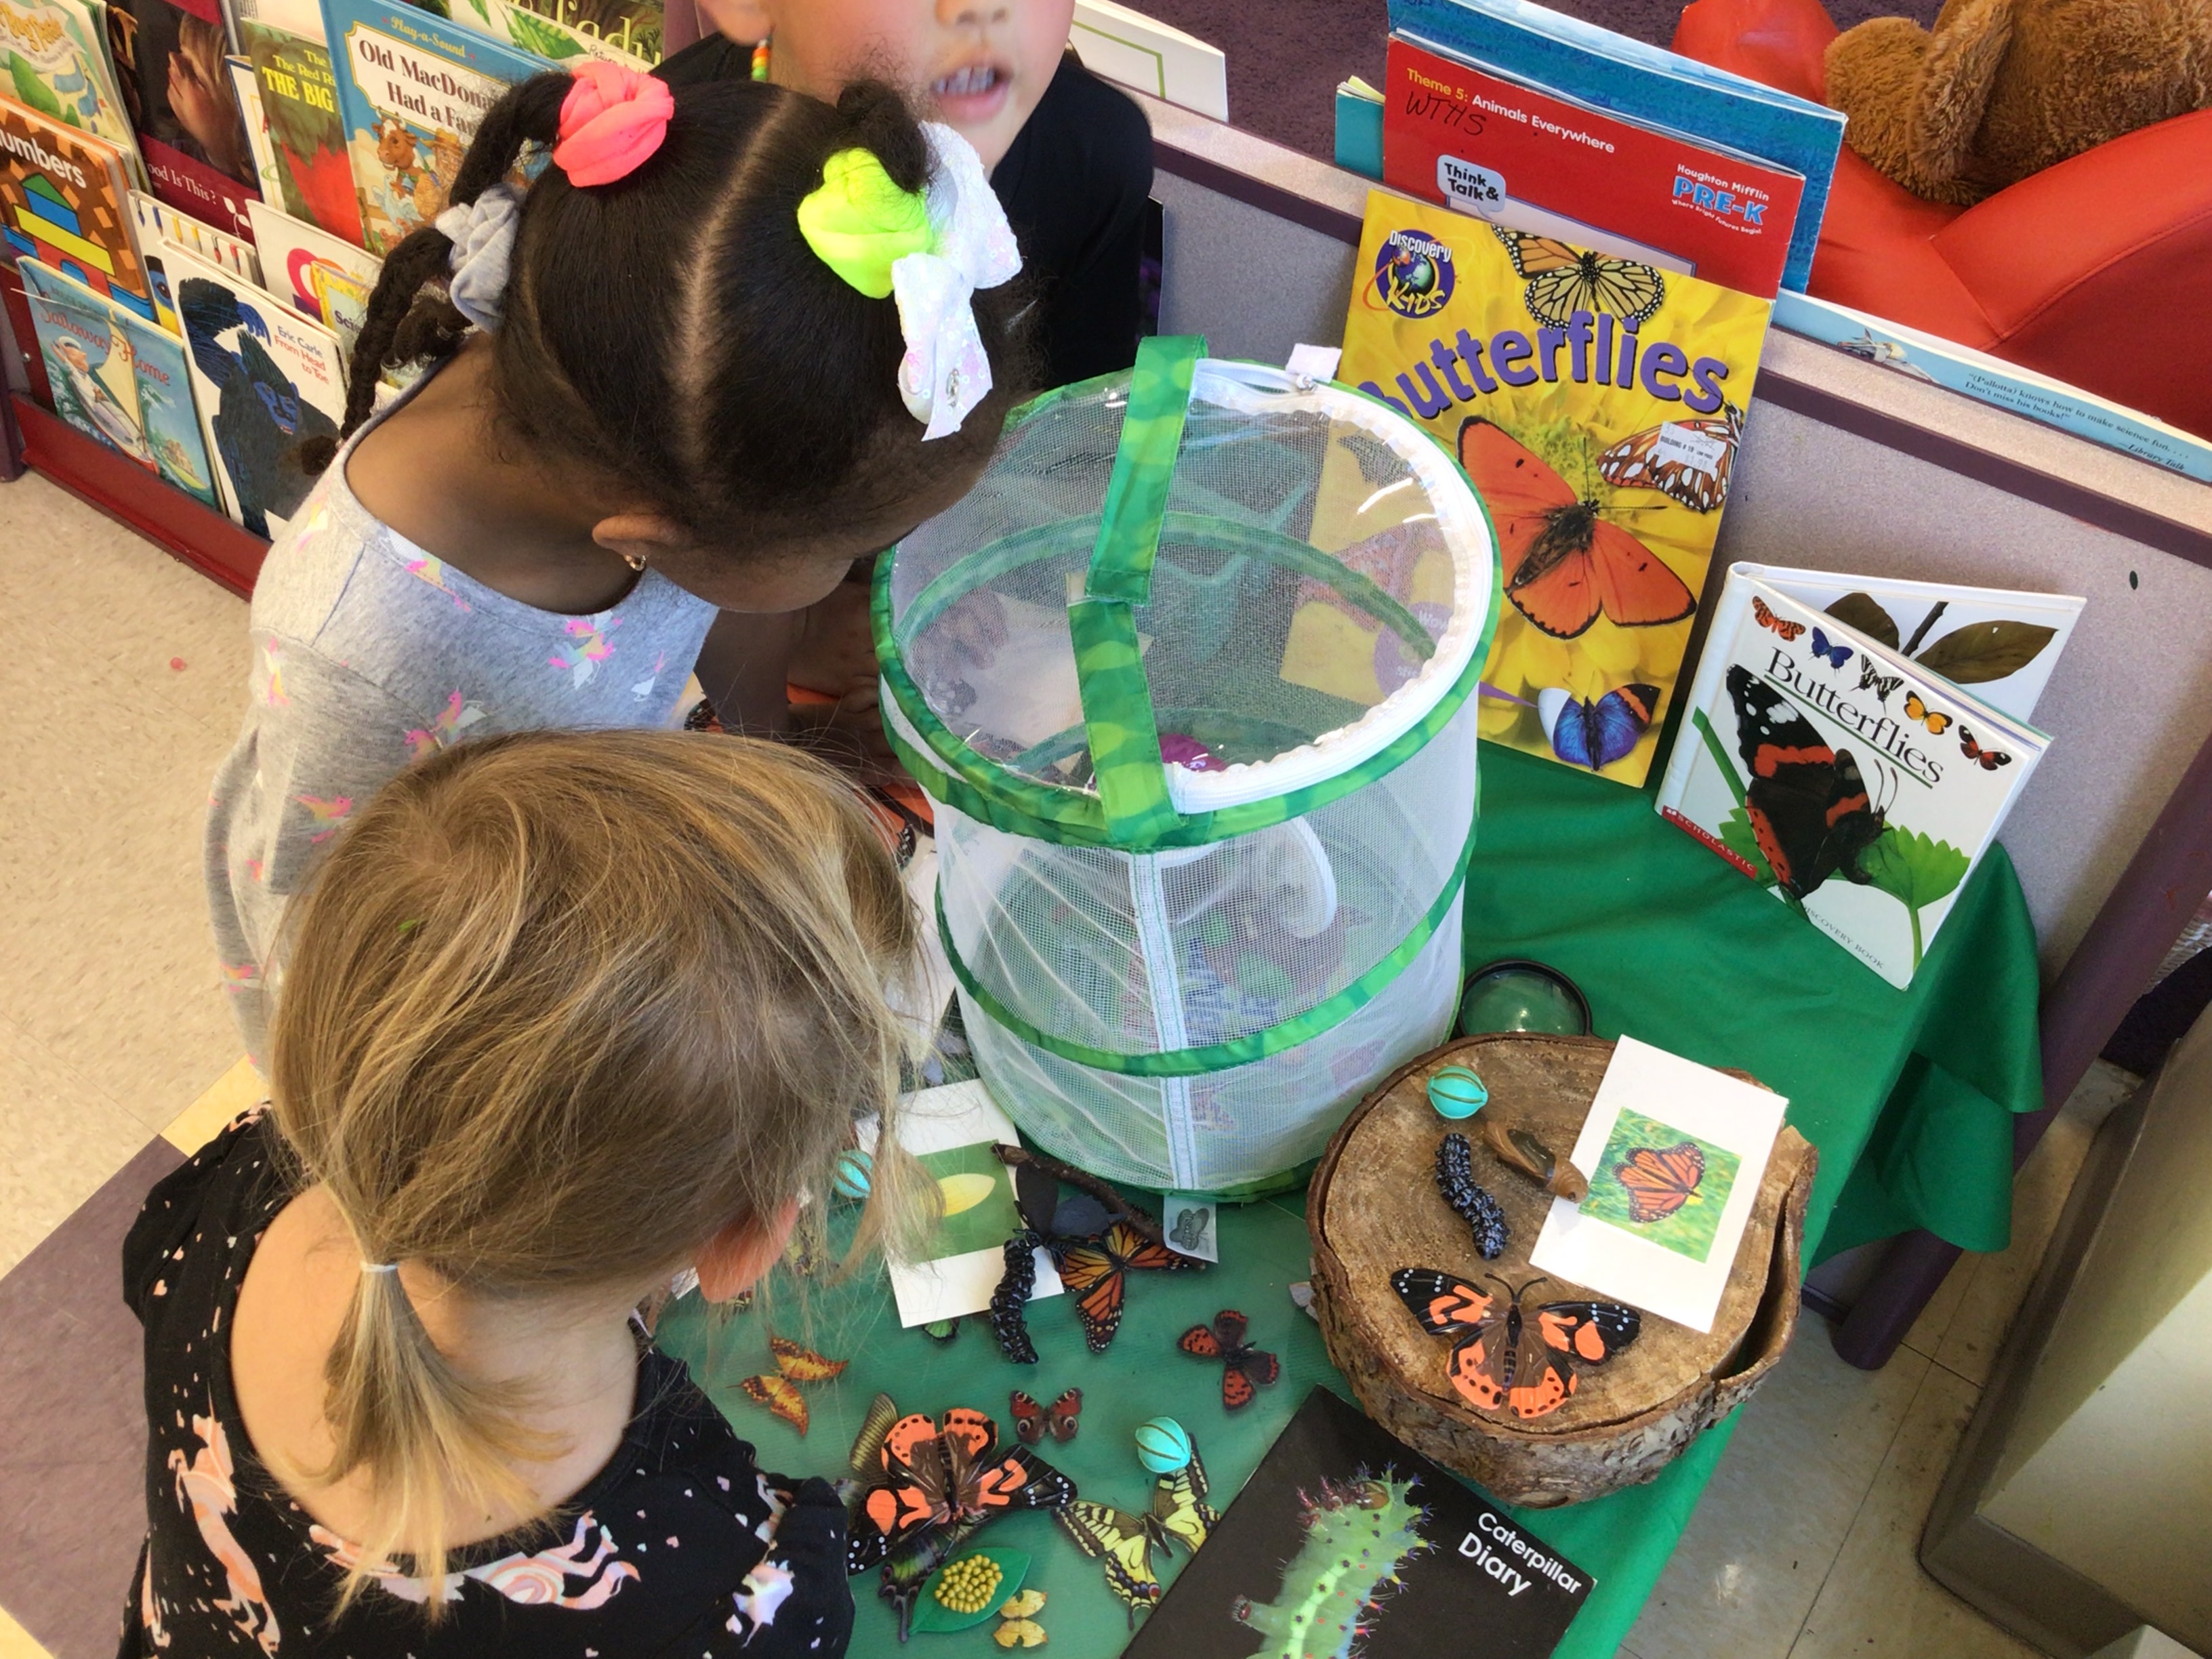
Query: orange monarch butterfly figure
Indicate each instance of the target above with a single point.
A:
(1094, 1272)
(1660, 1180)
(1638, 463)
(1506, 1355)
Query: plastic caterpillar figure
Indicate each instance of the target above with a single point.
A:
(1360, 1536)
(1483, 1214)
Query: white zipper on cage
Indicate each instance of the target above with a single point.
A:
(1148, 901)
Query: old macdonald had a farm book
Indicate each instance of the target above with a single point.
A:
(1595, 403)
(1347, 1540)
(64, 200)
(1852, 782)
(412, 88)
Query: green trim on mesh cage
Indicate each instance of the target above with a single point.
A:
(1118, 723)
(1144, 468)
(1324, 1016)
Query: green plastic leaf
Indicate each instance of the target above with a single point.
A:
(1911, 868)
(930, 1614)
(534, 33)
(1864, 612)
(1986, 651)
(30, 89)
(1736, 836)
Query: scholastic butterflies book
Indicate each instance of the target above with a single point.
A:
(1595, 403)
(1347, 1540)
(1851, 781)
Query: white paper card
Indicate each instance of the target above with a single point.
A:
(1186, 1224)
(1674, 1153)
(951, 1130)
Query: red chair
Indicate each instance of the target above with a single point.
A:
(2097, 271)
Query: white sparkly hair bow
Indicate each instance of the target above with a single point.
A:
(946, 371)
(482, 235)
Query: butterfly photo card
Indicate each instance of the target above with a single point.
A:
(1675, 1152)
(1596, 404)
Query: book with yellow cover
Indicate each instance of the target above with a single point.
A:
(1596, 404)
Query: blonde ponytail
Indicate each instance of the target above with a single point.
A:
(558, 1007)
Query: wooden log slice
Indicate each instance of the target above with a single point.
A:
(1374, 1208)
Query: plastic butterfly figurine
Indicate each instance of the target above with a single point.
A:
(778, 1390)
(1122, 1541)
(1660, 1180)
(1032, 1422)
(1244, 1368)
(1094, 1273)
(1508, 1357)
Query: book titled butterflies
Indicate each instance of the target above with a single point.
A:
(1596, 404)
(1849, 778)
(1675, 1152)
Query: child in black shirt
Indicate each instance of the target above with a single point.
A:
(1070, 157)
(563, 1012)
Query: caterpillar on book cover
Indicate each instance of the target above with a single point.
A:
(1359, 1534)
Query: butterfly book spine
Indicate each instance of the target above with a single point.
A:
(411, 89)
(1529, 157)
(1856, 786)
(1646, 83)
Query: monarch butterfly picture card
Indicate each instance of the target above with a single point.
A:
(1595, 403)
(1675, 1152)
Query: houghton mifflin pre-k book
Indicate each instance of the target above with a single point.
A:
(164, 431)
(1858, 786)
(412, 88)
(1345, 1539)
(1596, 404)
(64, 200)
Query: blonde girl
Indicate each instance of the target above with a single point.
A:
(565, 1013)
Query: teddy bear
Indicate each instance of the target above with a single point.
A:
(1999, 89)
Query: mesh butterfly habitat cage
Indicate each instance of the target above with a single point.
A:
(1189, 678)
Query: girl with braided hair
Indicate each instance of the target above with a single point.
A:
(730, 340)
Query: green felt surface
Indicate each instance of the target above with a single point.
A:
(1915, 1087)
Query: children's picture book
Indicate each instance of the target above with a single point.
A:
(1346, 1541)
(64, 200)
(411, 89)
(299, 260)
(1993, 380)
(1674, 1153)
(1544, 48)
(268, 184)
(1359, 126)
(55, 53)
(158, 222)
(300, 107)
(626, 31)
(171, 57)
(266, 381)
(951, 1130)
(1857, 785)
(1469, 138)
(1595, 403)
(2003, 643)
(167, 424)
(88, 370)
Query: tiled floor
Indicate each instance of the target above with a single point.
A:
(123, 686)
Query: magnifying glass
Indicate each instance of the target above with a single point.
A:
(1520, 995)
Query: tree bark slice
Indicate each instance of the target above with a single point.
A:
(1374, 1208)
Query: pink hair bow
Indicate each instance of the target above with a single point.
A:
(612, 118)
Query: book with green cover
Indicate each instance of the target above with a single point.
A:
(299, 106)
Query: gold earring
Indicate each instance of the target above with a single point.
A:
(634, 561)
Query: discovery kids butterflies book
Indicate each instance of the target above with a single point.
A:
(1596, 404)
(1857, 785)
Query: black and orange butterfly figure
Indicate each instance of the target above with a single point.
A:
(1789, 630)
(1989, 760)
(1245, 1368)
(1660, 1180)
(922, 1488)
(1687, 460)
(1505, 1355)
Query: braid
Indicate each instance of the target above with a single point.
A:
(402, 326)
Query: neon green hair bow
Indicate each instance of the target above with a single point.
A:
(860, 223)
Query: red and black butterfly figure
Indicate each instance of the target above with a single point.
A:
(1244, 1369)
(923, 1488)
(1807, 803)
(1032, 1422)
(1508, 1357)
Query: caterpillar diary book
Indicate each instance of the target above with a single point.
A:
(1850, 780)
(1595, 403)
(1347, 1540)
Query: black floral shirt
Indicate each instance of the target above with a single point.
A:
(678, 1547)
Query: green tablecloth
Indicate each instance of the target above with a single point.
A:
(1908, 1096)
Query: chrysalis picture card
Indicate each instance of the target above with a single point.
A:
(1674, 1153)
